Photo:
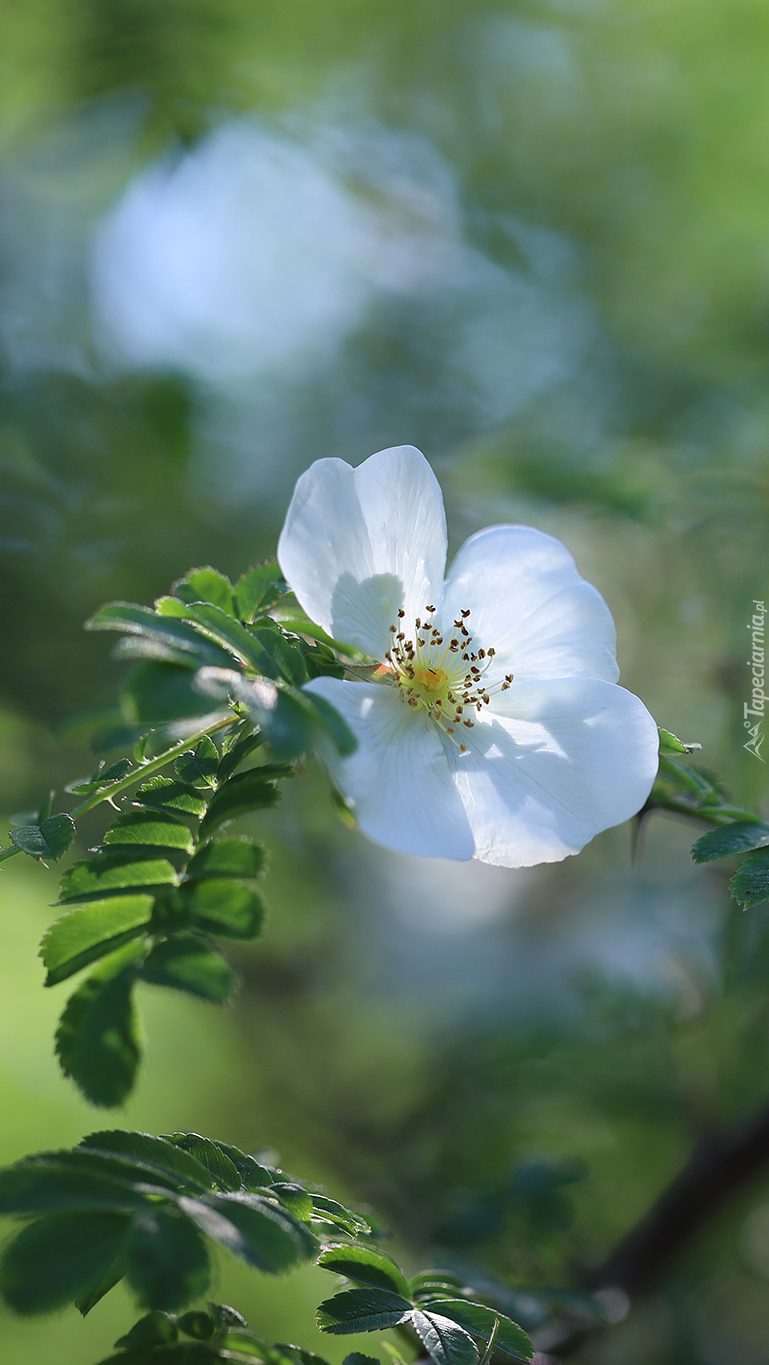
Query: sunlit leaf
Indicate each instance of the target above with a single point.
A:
(445, 1341)
(91, 932)
(144, 827)
(362, 1310)
(97, 1041)
(366, 1264)
(114, 874)
(224, 907)
(186, 963)
(48, 840)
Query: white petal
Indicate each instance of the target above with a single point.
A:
(357, 544)
(398, 782)
(551, 763)
(528, 600)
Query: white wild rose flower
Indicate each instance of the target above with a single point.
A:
(492, 727)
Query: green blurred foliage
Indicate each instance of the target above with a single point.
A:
(604, 163)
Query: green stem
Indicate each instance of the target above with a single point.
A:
(154, 764)
(137, 775)
(486, 1357)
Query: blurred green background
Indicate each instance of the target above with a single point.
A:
(532, 239)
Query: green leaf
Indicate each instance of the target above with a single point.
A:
(136, 620)
(258, 589)
(150, 830)
(224, 907)
(199, 766)
(357, 1358)
(228, 632)
(252, 790)
(167, 1263)
(687, 778)
(206, 585)
(112, 1276)
(91, 932)
(445, 1342)
(188, 964)
(197, 1324)
(287, 655)
(367, 1264)
(750, 885)
(284, 720)
(164, 1156)
(479, 1321)
(114, 874)
(155, 1329)
(740, 837)
(222, 1170)
(670, 744)
(330, 1211)
(53, 1182)
(170, 795)
(333, 723)
(443, 1280)
(252, 1175)
(243, 743)
(161, 693)
(59, 1258)
(228, 858)
(101, 779)
(97, 1041)
(258, 1231)
(295, 1198)
(50, 839)
(362, 1310)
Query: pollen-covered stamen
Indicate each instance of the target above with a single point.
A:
(443, 676)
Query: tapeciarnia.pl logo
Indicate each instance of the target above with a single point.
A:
(753, 711)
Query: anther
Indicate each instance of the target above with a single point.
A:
(401, 612)
(465, 613)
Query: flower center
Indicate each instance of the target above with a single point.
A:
(441, 671)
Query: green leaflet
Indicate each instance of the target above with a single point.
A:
(137, 620)
(186, 963)
(59, 1258)
(97, 1041)
(228, 858)
(258, 1232)
(170, 795)
(479, 1321)
(158, 693)
(220, 626)
(154, 1152)
(363, 1310)
(445, 1342)
(223, 906)
(750, 886)
(740, 837)
(144, 827)
(86, 934)
(258, 589)
(48, 840)
(199, 766)
(206, 585)
(220, 1167)
(115, 873)
(366, 1264)
(167, 1261)
(251, 790)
